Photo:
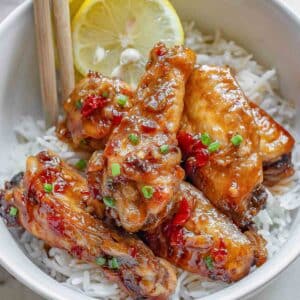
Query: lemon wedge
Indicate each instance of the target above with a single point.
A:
(114, 37)
(74, 7)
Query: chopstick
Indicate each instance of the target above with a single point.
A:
(45, 49)
(64, 46)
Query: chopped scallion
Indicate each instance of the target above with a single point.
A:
(236, 140)
(13, 211)
(122, 99)
(205, 139)
(164, 149)
(209, 262)
(115, 169)
(113, 263)
(147, 191)
(133, 138)
(101, 261)
(213, 147)
(48, 187)
(109, 201)
(81, 164)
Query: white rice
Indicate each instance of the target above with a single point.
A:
(273, 222)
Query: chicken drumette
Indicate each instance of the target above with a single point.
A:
(53, 203)
(221, 145)
(200, 239)
(140, 168)
(95, 107)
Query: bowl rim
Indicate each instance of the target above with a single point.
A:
(254, 281)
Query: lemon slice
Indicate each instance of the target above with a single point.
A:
(114, 37)
(74, 7)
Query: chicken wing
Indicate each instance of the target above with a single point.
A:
(140, 168)
(94, 109)
(276, 145)
(199, 239)
(220, 144)
(53, 204)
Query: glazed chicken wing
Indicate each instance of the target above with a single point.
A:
(220, 144)
(53, 204)
(199, 239)
(93, 110)
(140, 168)
(276, 145)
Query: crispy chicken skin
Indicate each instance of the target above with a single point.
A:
(231, 176)
(200, 239)
(59, 216)
(93, 110)
(147, 177)
(276, 145)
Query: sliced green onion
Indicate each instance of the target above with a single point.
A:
(109, 201)
(101, 261)
(133, 138)
(81, 164)
(147, 191)
(78, 104)
(48, 187)
(209, 262)
(122, 100)
(113, 263)
(205, 139)
(164, 149)
(105, 94)
(213, 147)
(236, 140)
(115, 169)
(13, 211)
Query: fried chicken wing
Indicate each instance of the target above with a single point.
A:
(53, 204)
(225, 161)
(93, 110)
(276, 145)
(200, 239)
(140, 168)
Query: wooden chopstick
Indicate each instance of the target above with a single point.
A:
(64, 46)
(45, 48)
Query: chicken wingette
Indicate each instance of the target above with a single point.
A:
(276, 145)
(221, 145)
(53, 203)
(140, 167)
(200, 239)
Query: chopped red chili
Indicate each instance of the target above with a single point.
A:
(92, 103)
(133, 252)
(117, 117)
(183, 213)
(56, 223)
(77, 251)
(149, 126)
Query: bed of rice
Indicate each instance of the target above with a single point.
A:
(274, 222)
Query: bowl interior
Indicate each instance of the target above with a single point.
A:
(265, 28)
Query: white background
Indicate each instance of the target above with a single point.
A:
(285, 287)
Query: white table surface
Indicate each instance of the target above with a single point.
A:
(285, 287)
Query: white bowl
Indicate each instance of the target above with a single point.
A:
(264, 27)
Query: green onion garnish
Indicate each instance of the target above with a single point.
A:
(113, 263)
(81, 164)
(236, 140)
(205, 139)
(13, 211)
(147, 191)
(133, 138)
(109, 201)
(122, 100)
(78, 104)
(213, 147)
(115, 169)
(48, 187)
(101, 261)
(164, 149)
(209, 262)
(105, 94)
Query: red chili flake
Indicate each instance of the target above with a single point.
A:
(44, 156)
(60, 186)
(183, 213)
(133, 252)
(76, 251)
(56, 223)
(48, 175)
(186, 142)
(117, 117)
(149, 126)
(219, 253)
(202, 157)
(92, 103)
(176, 235)
(161, 51)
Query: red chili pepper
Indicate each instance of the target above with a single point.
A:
(92, 103)
(161, 51)
(176, 235)
(55, 222)
(76, 251)
(149, 126)
(186, 142)
(133, 252)
(183, 213)
(117, 117)
(60, 186)
(219, 253)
